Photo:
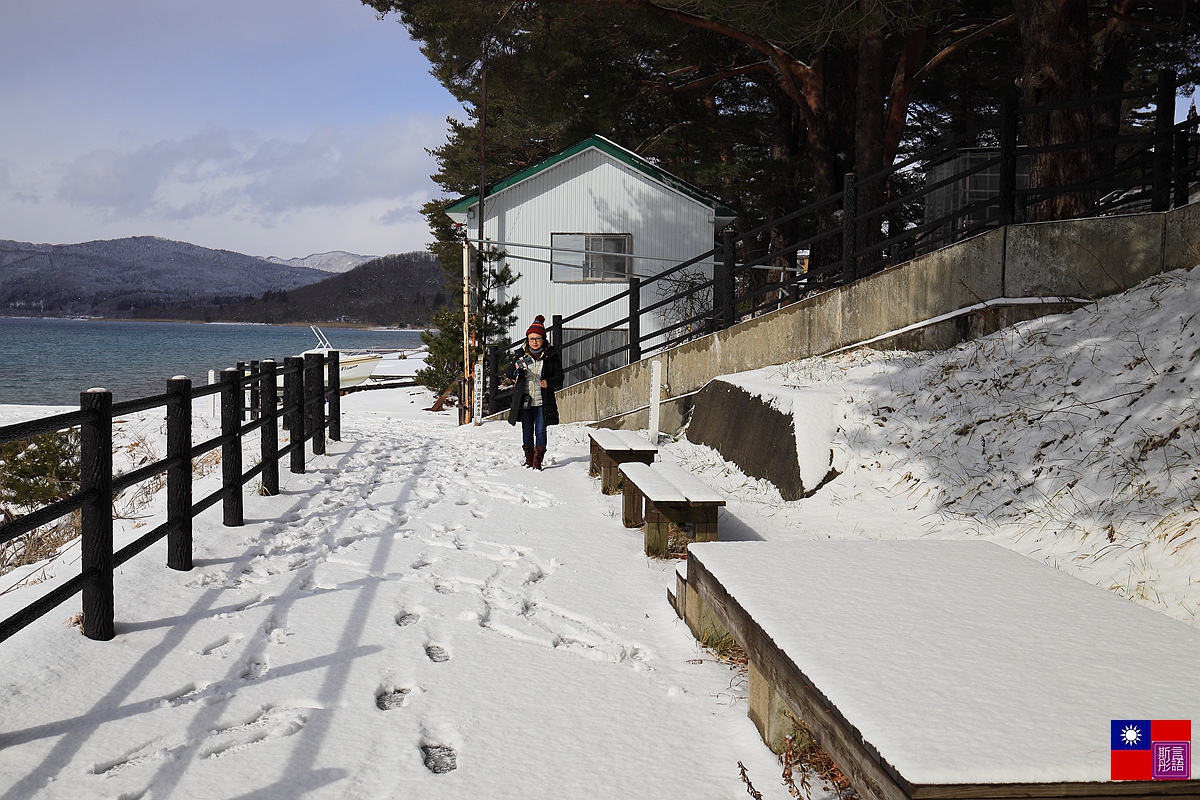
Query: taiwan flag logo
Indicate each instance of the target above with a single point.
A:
(1151, 749)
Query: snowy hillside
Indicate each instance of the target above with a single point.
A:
(118, 276)
(1072, 439)
(335, 261)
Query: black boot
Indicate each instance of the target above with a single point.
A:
(529, 455)
(538, 454)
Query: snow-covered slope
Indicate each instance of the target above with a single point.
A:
(335, 261)
(1073, 439)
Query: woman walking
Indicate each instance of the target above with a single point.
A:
(538, 374)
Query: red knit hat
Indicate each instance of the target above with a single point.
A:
(538, 326)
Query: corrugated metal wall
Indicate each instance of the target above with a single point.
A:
(593, 193)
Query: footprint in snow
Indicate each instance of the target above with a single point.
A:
(220, 647)
(436, 653)
(439, 758)
(270, 723)
(388, 699)
(404, 619)
(182, 696)
(255, 668)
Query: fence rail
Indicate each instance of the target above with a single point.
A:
(1152, 167)
(249, 401)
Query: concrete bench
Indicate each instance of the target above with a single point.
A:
(669, 496)
(610, 449)
(955, 670)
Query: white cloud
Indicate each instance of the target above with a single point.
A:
(403, 215)
(216, 172)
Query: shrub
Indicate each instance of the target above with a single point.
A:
(33, 473)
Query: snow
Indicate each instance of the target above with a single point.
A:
(959, 661)
(506, 614)
(502, 614)
(666, 484)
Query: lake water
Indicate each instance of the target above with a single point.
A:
(50, 361)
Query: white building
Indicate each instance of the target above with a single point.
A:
(579, 224)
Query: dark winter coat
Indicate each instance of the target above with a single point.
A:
(552, 374)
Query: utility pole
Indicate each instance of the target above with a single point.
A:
(475, 277)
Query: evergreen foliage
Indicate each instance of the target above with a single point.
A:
(763, 104)
(38, 471)
(495, 314)
(443, 363)
(389, 290)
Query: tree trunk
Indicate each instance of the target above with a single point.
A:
(1111, 46)
(826, 83)
(870, 105)
(1054, 37)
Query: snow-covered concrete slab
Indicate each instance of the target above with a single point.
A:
(961, 662)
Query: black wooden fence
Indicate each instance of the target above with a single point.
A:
(310, 408)
(1153, 166)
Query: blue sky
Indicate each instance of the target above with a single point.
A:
(269, 127)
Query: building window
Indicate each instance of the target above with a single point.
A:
(591, 257)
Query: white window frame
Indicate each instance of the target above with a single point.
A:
(584, 255)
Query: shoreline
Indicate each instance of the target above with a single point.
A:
(360, 326)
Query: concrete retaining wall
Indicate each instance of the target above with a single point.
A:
(1083, 259)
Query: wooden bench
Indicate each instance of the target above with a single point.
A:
(611, 449)
(671, 496)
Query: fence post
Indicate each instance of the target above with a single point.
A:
(728, 287)
(95, 478)
(635, 319)
(720, 266)
(293, 398)
(269, 432)
(1164, 139)
(231, 448)
(314, 397)
(335, 396)
(1008, 161)
(556, 332)
(255, 392)
(241, 368)
(1179, 165)
(179, 474)
(849, 231)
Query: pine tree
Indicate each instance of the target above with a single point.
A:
(491, 322)
(443, 364)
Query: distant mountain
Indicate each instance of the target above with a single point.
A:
(400, 290)
(336, 261)
(122, 276)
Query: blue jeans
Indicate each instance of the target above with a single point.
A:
(533, 427)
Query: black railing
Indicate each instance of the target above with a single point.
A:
(1152, 167)
(243, 391)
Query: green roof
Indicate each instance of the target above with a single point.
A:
(628, 157)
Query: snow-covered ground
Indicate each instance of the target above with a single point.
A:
(416, 601)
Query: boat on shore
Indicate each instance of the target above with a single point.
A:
(354, 366)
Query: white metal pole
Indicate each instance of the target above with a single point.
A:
(466, 327)
(655, 396)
